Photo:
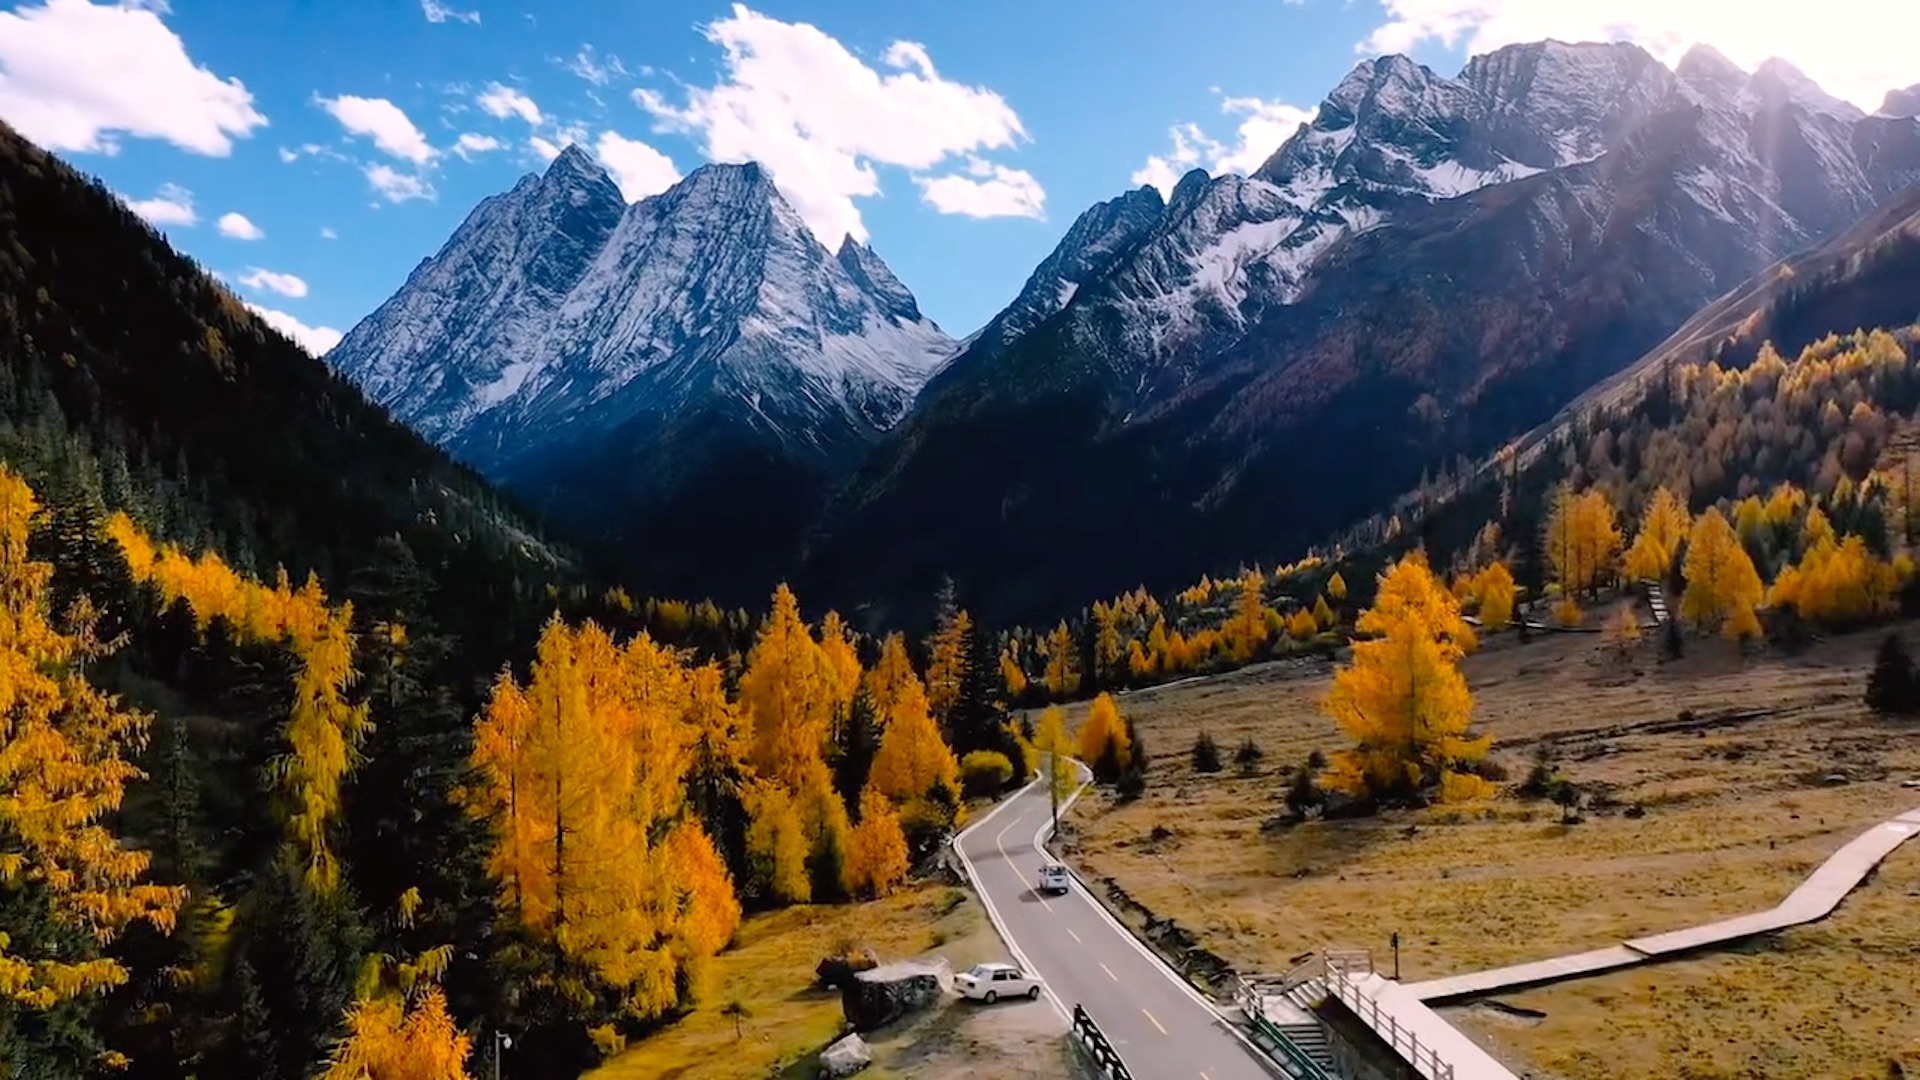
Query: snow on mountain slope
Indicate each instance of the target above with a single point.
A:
(466, 328)
(1427, 267)
(556, 313)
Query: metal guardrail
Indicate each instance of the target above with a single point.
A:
(1105, 1057)
(1403, 1040)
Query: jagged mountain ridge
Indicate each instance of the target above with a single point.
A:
(1427, 268)
(685, 375)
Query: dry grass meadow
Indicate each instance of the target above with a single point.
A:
(1719, 782)
(770, 970)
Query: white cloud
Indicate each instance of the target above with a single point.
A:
(315, 339)
(437, 12)
(293, 154)
(988, 191)
(1856, 49)
(171, 205)
(327, 233)
(273, 281)
(74, 75)
(397, 187)
(1265, 126)
(796, 100)
(543, 148)
(470, 144)
(639, 169)
(383, 122)
(501, 102)
(595, 70)
(238, 227)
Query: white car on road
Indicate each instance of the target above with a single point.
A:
(992, 982)
(1053, 878)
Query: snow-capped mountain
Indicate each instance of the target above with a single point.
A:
(1430, 265)
(639, 369)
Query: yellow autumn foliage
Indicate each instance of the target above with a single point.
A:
(1402, 699)
(63, 774)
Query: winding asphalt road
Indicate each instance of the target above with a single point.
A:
(1161, 1027)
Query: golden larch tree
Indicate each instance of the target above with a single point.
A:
(63, 771)
(582, 778)
(836, 644)
(878, 859)
(390, 1038)
(788, 693)
(1051, 740)
(1496, 590)
(887, 683)
(1722, 585)
(1063, 665)
(1663, 527)
(1103, 736)
(1246, 630)
(1107, 646)
(1838, 584)
(1581, 539)
(947, 666)
(1322, 614)
(1012, 675)
(1337, 587)
(912, 756)
(1301, 625)
(777, 844)
(1402, 699)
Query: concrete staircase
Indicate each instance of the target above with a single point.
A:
(1280, 1012)
(1657, 600)
(1310, 1039)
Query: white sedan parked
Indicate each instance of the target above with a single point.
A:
(992, 982)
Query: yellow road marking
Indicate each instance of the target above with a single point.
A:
(1151, 1020)
(1109, 972)
(1076, 937)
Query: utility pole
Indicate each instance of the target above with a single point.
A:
(1053, 786)
(502, 1042)
(1396, 956)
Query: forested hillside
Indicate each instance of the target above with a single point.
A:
(319, 760)
(1795, 393)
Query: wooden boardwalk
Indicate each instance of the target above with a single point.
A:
(1436, 1049)
(1814, 899)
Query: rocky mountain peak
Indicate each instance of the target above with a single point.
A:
(1706, 69)
(877, 280)
(1777, 83)
(1901, 103)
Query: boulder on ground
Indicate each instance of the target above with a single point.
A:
(878, 997)
(836, 972)
(846, 1057)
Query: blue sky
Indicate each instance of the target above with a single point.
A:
(313, 152)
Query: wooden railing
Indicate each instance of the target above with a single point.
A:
(1384, 1024)
(1105, 1057)
(1350, 961)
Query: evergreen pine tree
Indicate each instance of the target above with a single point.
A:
(979, 720)
(1672, 641)
(1206, 755)
(1891, 685)
(1089, 645)
(859, 740)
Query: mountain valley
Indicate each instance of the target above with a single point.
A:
(1481, 524)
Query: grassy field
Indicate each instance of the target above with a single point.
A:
(1719, 783)
(770, 970)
